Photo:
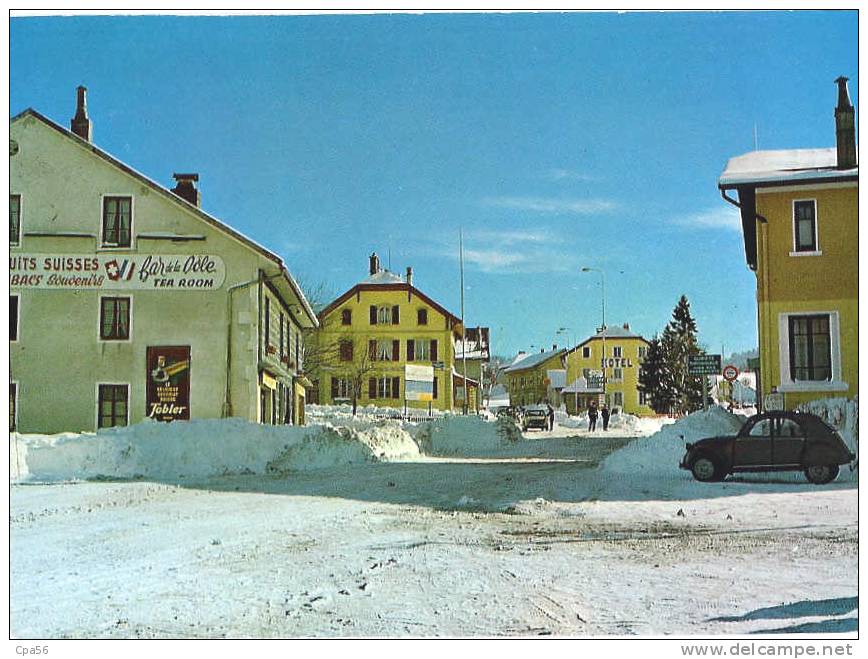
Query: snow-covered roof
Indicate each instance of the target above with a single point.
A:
(532, 360)
(612, 332)
(383, 277)
(790, 165)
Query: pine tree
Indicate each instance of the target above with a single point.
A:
(678, 343)
(655, 379)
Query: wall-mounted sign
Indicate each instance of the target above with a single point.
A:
(113, 272)
(418, 382)
(168, 378)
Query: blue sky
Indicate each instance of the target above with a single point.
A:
(556, 141)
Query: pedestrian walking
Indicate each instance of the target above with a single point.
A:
(605, 414)
(551, 415)
(592, 417)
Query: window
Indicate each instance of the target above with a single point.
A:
(586, 352)
(116, 221)
(422, 350)
(385, 315)
(421, 316)
(789, 428)
(13, 317)
(617, 374)
(810, 348)
(384, 387)
(14, 219)
(112, 406)
(762, 428)
(341, 388)
(616, 351)
(386, 351)
(267, 322)
(642, 398)
(619, 399)
(282, 353)
(805, 225)
(434, 393)
(346, 351)
(114, 319)
(347, 317)
(643, 352)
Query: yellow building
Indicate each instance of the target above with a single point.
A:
(529, 378)
(370, 335)
(799, 213)
(617, 353)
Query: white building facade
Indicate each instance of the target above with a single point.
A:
(128, 301)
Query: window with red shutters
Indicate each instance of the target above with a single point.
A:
(435, 387)
(346, 317)
(396, 387)
(372, 350)
(396, 315)
(334, 388)
(422, 317)
(346, 351)
(411, 350)
(372, 387)
(373, 315)
(433, 350)
(396, 350)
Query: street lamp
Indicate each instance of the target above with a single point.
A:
(603, 331)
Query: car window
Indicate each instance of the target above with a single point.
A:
(762, 428)
(789, 428)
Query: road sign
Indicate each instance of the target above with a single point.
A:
(703, 364)
(730, 372)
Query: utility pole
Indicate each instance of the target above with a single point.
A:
(463, 326)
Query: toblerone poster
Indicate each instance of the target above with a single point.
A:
(168, 383)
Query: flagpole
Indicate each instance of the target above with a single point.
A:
(463, 326)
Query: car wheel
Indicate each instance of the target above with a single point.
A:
(705, 469)
(821, 474)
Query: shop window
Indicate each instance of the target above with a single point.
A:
(13, 317)
(14, 219)
(421, 316)
(112, 405)
(114, 319)
(117, 219)
(346, 317)
(810, 348)
(805, 225)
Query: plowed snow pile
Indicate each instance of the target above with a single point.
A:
(202, 448)
(467, 436)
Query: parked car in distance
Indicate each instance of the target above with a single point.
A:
(772, 441)
(535, 417)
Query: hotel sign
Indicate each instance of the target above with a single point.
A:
(117, 272)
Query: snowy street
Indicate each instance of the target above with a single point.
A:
(535, 541)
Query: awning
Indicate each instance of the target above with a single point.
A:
(269, 380)
(304, 382)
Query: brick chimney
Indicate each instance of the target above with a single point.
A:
(374, 262)
(627, 326)
(409, 275)
(186, 188)
(845, 130)
(80, 123)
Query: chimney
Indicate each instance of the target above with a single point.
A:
(554, 346)
(845, 130)
(186, 188)
(626, 326)
(80, 124)
(374, 263)
(409, 275)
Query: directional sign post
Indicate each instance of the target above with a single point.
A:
(703, 365)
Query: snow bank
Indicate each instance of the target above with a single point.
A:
(200, 449)
(658, 456)
(468, 436)
(621, 421)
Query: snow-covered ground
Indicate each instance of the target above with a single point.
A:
(458, 527)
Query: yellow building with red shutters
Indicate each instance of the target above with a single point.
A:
(370, 334)
(616, 351)
(799, 212)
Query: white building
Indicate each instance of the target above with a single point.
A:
(128, 301)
